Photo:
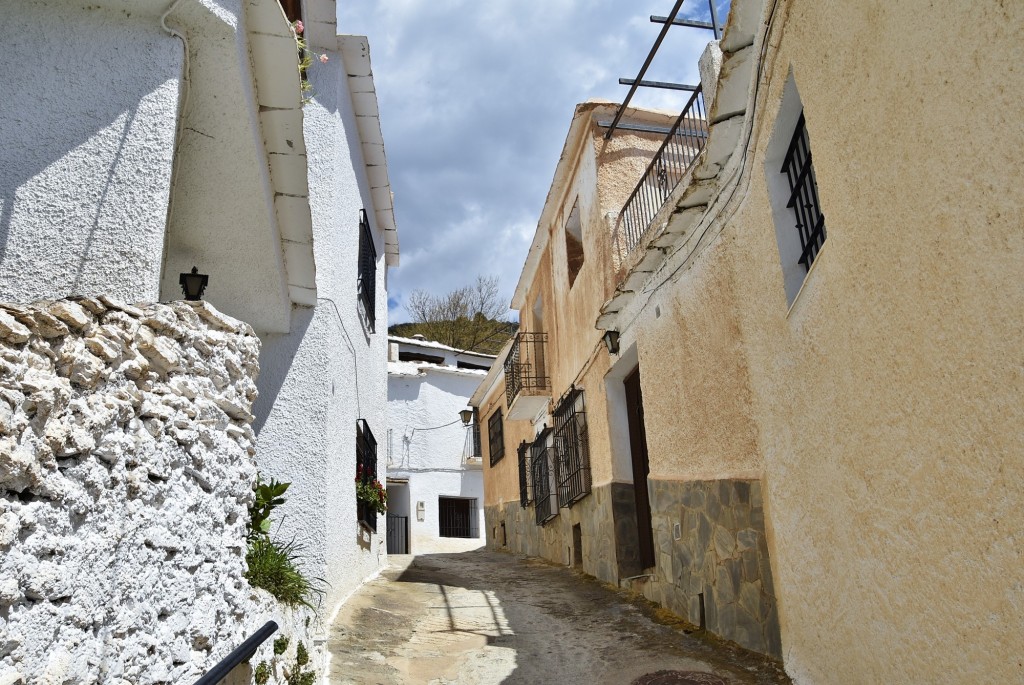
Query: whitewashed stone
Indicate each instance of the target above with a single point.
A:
(12, 331)
(71, 313)
(125, 471)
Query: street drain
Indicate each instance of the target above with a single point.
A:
(679, 678)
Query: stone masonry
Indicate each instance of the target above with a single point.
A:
(126, 464)
(720, 554)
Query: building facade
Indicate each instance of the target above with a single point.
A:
(814, 378)
(148, 138)
(435, 480)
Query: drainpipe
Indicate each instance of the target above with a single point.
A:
(174, 33)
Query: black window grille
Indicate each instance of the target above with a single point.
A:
(525, 368)
(803, 197)
(495, 437)
(457, 517)
(366, 470)
(542, 466)
(573, 448)
(477, 451)
(367, 271)
(525, 486)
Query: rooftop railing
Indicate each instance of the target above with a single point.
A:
(682, 146)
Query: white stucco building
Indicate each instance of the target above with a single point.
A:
(435, 483)
(143, 137)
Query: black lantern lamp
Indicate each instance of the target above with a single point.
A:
(193, 284)
(611, 341)
(467, 416)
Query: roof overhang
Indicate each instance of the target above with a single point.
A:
(355, 52)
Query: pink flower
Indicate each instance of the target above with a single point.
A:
(323, 59)
(299, 27)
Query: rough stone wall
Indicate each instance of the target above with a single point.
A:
(607, 520)
(722, 554)
(125, 473)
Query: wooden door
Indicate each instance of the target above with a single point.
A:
(641, 468)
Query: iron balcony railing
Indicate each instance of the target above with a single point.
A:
(682, 146)
(526, 367)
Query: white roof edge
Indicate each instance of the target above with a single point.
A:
(280, 115)
(489, 381)
(434, 345)
(355, 54)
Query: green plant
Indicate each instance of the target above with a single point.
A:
(373, 494)
(301, 655)
(305, 60)
(280, 645)
(262, 674)
(268, 498)
(272, 566)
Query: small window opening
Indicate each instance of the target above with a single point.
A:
(418, 357)
(574, 243)
(456, 517)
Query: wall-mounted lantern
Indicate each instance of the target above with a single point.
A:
(611, 341)
(467, 416)
(193, 284)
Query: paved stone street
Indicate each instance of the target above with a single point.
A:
(486, 618)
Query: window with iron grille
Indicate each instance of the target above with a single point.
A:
(457, 517)
(542, 466)
(525, 484)
(477, 451)
(572, 448)
(366, 469)
(495, 437)
(367, 271)
(803, 195)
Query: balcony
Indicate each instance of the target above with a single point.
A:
(670, 165)
(527, 384)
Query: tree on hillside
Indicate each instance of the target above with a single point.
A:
(467, 318)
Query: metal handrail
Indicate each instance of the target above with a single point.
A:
(242, 652)
(682, 145)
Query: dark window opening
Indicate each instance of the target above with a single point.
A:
(525, 484)
(574, 243)
(544, 477)
(573, 448)
(366, 470)
(456, 517)
(367, 288)
(469, 365)
(495, 437)
(419, 357)
(477, 451)
(292, 10)
(803, 198)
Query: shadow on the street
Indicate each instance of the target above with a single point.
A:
(554, 619)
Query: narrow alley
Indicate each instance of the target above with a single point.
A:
(485, 618)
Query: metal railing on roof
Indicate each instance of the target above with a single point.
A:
(682, 146)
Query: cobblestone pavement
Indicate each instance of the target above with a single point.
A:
(481, 618)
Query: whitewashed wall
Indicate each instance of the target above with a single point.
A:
(421, 396)
(125, 472)
(330, 370)
(87, 114)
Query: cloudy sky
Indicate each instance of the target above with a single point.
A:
(476, 98)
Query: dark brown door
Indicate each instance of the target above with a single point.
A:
(641, 468)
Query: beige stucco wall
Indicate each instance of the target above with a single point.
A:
(890, 399)
(697, 399)
(887, 404)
